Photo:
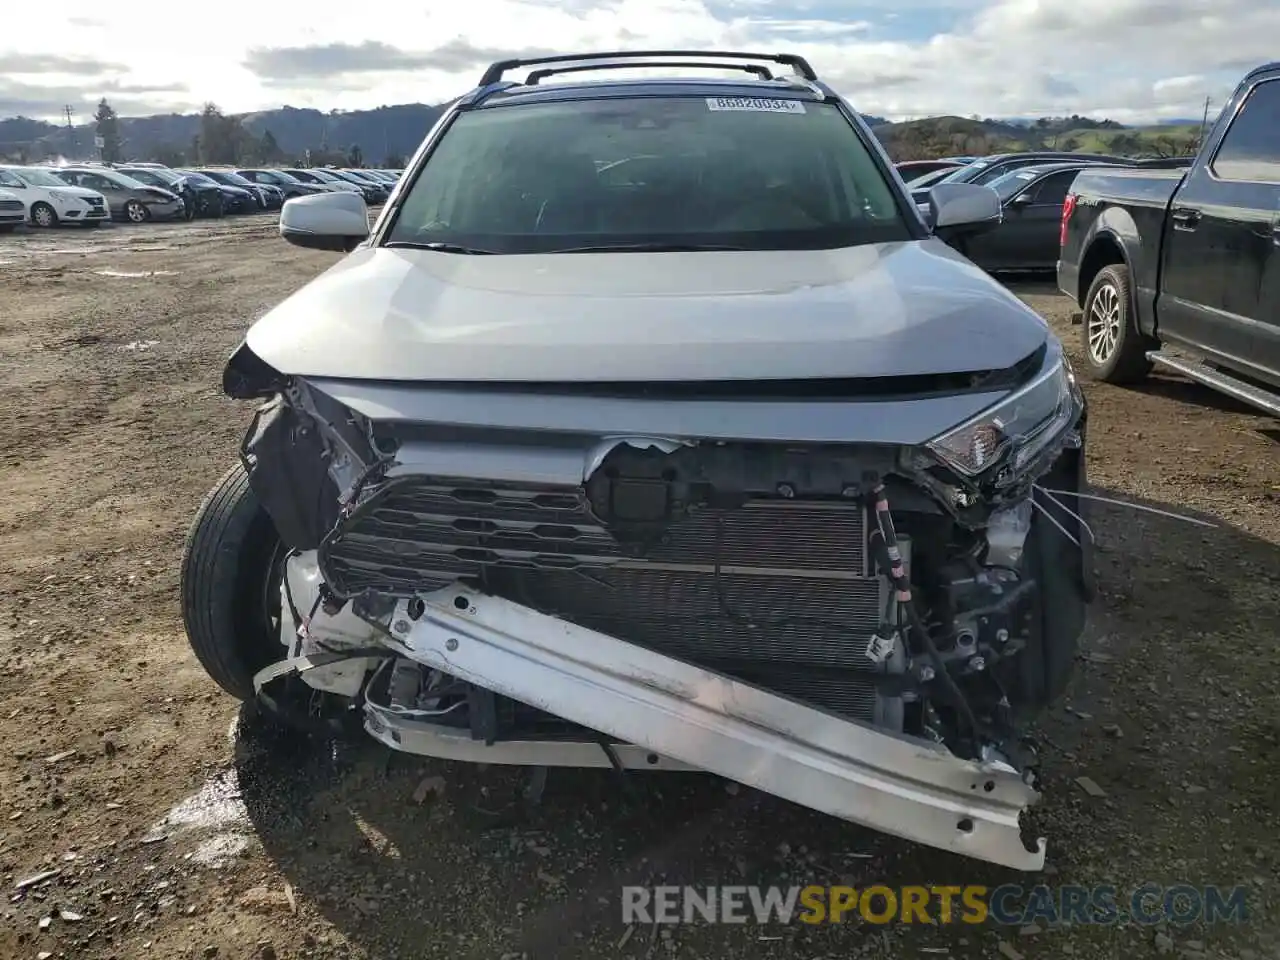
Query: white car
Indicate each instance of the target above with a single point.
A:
(13, 212)
(47, 201)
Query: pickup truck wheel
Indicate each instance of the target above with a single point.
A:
(230, 585)
(1114, 349)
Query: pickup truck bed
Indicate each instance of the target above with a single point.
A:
(1182, 266)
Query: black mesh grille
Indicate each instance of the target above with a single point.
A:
(775, 592)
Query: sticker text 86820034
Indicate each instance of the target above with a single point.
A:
(755, 104)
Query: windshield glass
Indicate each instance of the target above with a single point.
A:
(1010, 185)
(324, 176)
(968, 173)
(277, 176)
(688, 171)
(232, 178)
(929, 179)
(154, 177)
(39, 178)
(199, 177)
(124, 180)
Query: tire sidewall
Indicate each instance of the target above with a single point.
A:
(40, 207)
(227, 561)
(1117, 278)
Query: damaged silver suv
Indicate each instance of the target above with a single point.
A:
(653, 427)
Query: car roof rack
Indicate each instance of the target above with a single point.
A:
(627, 59)
(760, 70)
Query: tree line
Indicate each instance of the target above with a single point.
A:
(951, 136)
(223, 140)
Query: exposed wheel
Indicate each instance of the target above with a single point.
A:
(1114, 349)
(42, 215)
(137, 212)
(230, 585)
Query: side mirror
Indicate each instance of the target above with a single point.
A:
(1021, 200)
(326, 221)
(963, 209)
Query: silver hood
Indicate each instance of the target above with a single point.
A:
(884, 310)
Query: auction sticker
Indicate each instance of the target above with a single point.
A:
(755, 104)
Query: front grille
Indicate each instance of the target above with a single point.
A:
(11, 205)
(774, 592)
(96, 202)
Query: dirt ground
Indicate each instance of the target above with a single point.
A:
(177, 831)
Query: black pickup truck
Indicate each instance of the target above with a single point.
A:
(1182, 267)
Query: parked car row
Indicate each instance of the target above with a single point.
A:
(1032, 188)
(94, 193)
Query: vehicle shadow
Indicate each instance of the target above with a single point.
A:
(1193, 393)
(410, 857)
(1029, 282)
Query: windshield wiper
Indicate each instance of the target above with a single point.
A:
(438, 247)
(648, 248)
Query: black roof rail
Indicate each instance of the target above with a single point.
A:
(618, 60)
(759, 70)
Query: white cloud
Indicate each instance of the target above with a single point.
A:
(1128, 59)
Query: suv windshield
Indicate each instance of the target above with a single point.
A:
(648, 172)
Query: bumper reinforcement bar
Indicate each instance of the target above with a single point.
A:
(898, 785)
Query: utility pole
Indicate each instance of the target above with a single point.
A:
(71, 129)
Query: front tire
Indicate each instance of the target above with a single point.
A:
(1115, 351)
(229, 585)
(43, 215)
(136, 212)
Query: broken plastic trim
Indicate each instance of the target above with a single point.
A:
(248, 377)
(898, 785)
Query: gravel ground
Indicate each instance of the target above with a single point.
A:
(170, 827)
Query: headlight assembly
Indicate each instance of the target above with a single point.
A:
(1017, 429)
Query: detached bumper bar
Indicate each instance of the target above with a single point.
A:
(898, 785)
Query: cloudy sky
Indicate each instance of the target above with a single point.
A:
(1132, 60)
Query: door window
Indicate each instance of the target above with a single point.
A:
(1054, 188)
(1251, 149)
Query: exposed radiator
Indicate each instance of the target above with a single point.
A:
(774, 592)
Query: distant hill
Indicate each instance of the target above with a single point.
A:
(397, 131)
